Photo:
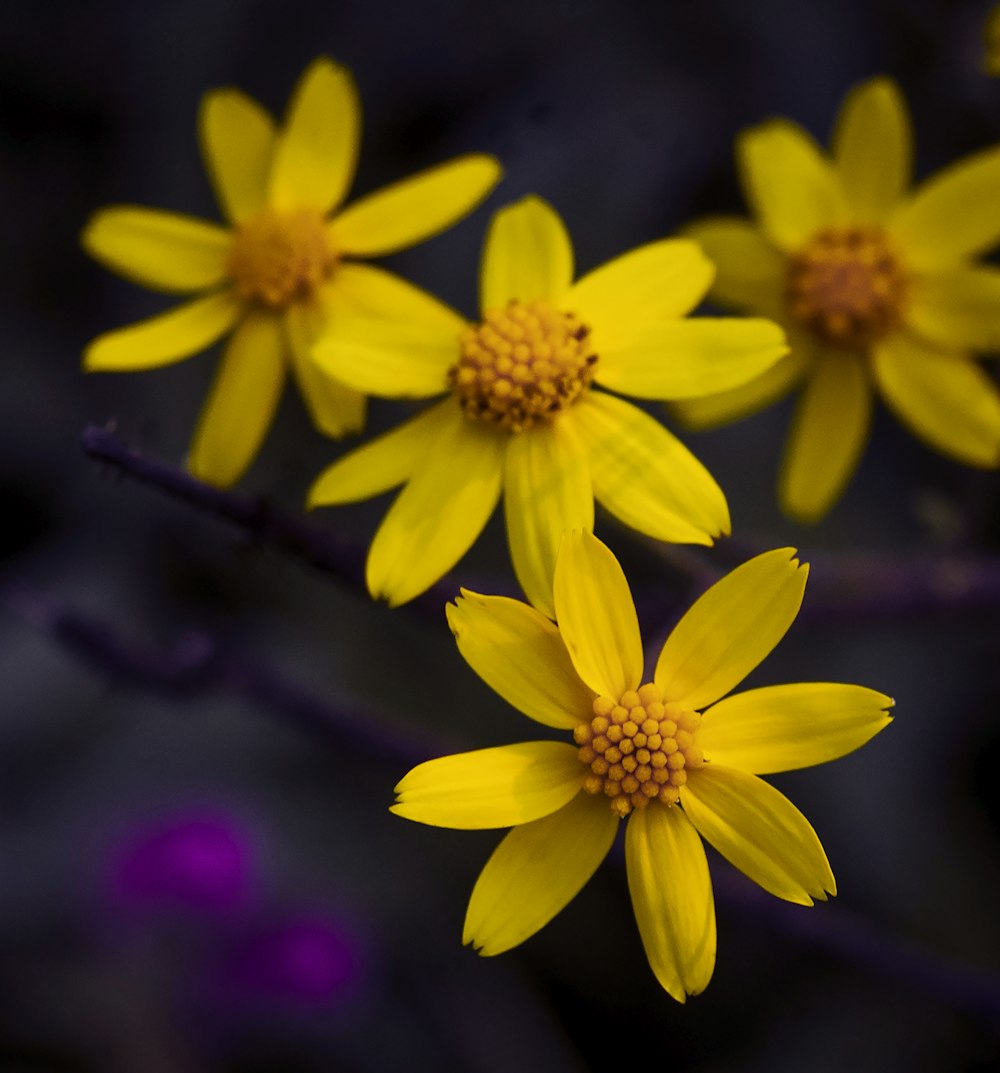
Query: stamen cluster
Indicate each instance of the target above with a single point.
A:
(280, 257)
(847, 285)
(638, 748)
(522, 365)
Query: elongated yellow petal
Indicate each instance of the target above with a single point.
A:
(684, 359)
(527, 255)
(944, 398)
(360, 290)
(242, 402)
(597, 616)
(391, 358)
(237, 142)
(672, 898)
(536, 871)
(409, 211)
(790, 183)
(730, 628)
(952, 216)
(781, 728)
(957, 308)
(164, 251)
(645, 476)
(164, 339)
(872, 149)
(760, 831)
(547, 490)
(439, 513)
(317, 149)
(711, 411)
(827, 437)
(336, 409)
(519, 654)
(660, 281)
(385, 462)
(498, 787)
(750, 272)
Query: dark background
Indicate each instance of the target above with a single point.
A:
(622, 115)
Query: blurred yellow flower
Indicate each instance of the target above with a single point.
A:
(282, 268)
(875, 287)
(669, 754)
(991, 36)
(521, 416)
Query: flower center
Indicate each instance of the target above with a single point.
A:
(847, 285)
(279, 257)
(638, 748)
(522, 365)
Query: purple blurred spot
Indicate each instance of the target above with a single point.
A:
(200, 862)
(306, 961)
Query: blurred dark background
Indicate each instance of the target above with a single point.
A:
(193, 878)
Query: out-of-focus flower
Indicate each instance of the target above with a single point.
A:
(201, 862)
(283, 267)
(991, 36)
(875, 286)
(678, 761)
(522, 418)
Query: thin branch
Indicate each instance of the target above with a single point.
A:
(197, 664)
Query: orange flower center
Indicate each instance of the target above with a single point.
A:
(522, 365)
(846, 284)
(280, 257)
(638, 749)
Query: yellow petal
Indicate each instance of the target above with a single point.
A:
(360, 290)
(781, 728)
(383, 463)
(827, 436)
(958, 308)
(336, 409)
(711, 411)
(546, 491)
(672, 898)
(597, 616)
(390, 358)
(409, 211)
(944, 398)
(536, 871)
(160, 250)
(952, 216)
(659, 281)
(237, 141)
(790, 183)
(317, 149)
(872, 148)
(440, 512)
(645, 476)
(519, 654)
(760, 831)
(164, 339)
(750, 272)
(498, 787)
(684, 359)
(242, 402)
(527, 255)
(730, 628)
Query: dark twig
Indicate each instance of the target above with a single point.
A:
(197, 664)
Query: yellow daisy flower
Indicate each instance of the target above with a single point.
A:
(875, 287)
(282, 268)
(679, 762)
(521, 416)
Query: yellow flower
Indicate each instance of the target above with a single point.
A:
(875, 287)
(521, 417)
(282, 267)
(679, 762)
